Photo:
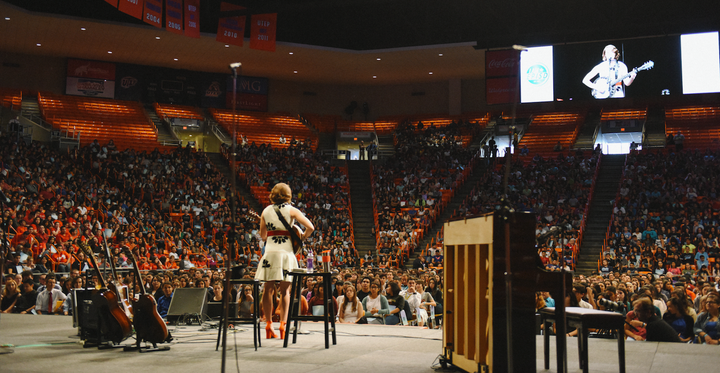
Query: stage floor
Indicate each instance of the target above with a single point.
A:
(50, 344)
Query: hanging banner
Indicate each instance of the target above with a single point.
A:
(153, 12)
(112, 2)
(91, 69)
(501, 90)
(174, 16)
(231, 30)
(132, 7)
(192, 18)
(262, 31)
(501, 63)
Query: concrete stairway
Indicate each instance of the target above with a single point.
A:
(606, 187)
(362, 211)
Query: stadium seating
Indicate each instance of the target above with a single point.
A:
(699, 124)
(265, 128)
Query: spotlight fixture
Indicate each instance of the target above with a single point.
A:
(157, 38)
(227, 45)
(109, 52)
(38, 44)
(82, 28)
(430, 73)
(291, 53)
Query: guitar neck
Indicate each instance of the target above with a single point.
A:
(96, 267)
(136, 269)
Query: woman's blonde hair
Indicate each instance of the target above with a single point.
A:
(280, 193)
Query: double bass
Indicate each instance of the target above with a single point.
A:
(149, 326)
(114, 323)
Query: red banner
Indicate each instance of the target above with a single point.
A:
(91, 69)
(112, 2)
(192, 18)
(262, 32)
(501, 63)
(132, 7)
(501, 90)
(231, 30)
(248, 101)
(174, 16)
(153, 12)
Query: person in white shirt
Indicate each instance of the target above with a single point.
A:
(350, 309)
(610, 69)
(50, 300)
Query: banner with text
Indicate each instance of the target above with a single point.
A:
(501, 63)
(192, 18)
(252, 93)
(132, 7)
(501, 90)
(212, 92)
(153, 12)
(247, 101)
(90, 87)
(174, 16)
(91, 69)
(262, 31)
(231, 30)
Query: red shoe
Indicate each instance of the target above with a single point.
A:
(282, 329)
(269, 331)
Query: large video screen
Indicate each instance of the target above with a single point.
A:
(617, 69)
(700, 63)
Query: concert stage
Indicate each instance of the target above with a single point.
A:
(49, 344)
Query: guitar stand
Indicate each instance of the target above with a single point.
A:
(145, 348)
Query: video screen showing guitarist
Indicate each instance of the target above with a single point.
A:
(610, 70)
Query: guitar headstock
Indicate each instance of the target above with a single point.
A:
(647, 66)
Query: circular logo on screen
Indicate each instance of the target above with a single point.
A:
(537, 74)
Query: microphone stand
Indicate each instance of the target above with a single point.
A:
(231, 234)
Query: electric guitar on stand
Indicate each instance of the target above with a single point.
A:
(610, 87)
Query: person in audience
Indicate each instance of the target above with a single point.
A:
(396, 301)
(163, 302)
(10, 296)
(678, 318)
(50, 300)
(246, 302)
(657, 329)
(364, 288)
(375, 304)
(350, 309)
(707, 326)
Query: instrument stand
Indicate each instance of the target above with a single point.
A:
(145, 348)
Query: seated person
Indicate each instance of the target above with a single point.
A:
(50, 300)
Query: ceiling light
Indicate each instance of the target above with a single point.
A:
(157, 38)
(82, 28)
(109, 52)
(378, 58)
(38, 44)
(7, 18)
(227, 45)
(431, 73)
(440, 54)
(291, 53)
(175, 59)
(374, 76)
(295, 72)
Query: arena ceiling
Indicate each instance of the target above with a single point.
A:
(340, 41)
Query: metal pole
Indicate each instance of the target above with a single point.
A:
(231, 233)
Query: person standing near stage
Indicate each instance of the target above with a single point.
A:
(279, 258)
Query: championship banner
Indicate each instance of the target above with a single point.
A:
(231, 30)
(192, 18)
(90, 87)
(501, 63)
(174, 16)
(501, 90)
(132, 7)
(262, 32)
(112, 2)
(153, 13)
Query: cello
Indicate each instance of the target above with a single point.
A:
(114, 323)
(149, 326)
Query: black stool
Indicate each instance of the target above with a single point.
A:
(293, 313)
(254, 319)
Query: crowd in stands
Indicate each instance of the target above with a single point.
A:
(320, 190)
(409, 188)
(658, 308)
(665, 216)
(556, 189)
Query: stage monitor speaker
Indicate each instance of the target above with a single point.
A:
(188, 301)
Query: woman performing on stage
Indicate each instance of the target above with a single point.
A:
(279, 258)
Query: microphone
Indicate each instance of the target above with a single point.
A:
(235, 65)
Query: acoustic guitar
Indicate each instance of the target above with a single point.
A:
(149, 326)
(297, 243)
(114, 323)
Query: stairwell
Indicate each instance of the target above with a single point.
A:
(386, 146)
(654, 130)
(164, 134)
(606, 187)
(222, 166)
(362, 205)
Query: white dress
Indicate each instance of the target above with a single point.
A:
(279, 257)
